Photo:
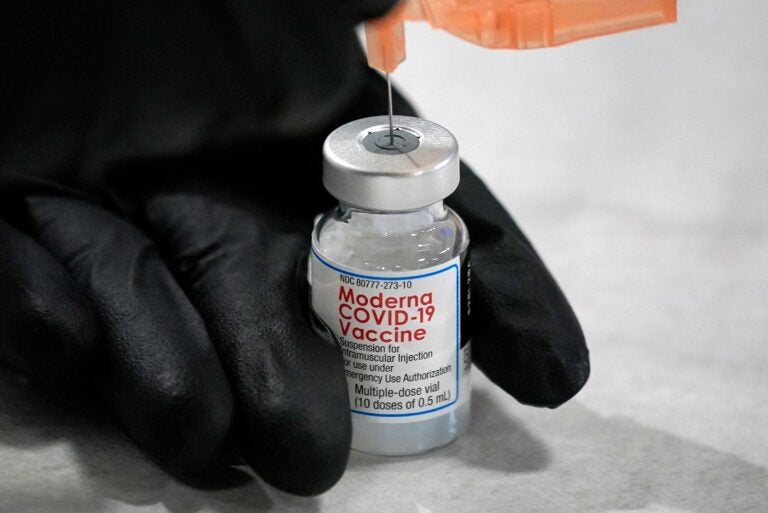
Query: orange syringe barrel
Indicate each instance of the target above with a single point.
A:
(517, 24)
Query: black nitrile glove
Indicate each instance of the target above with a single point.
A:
(151, 242)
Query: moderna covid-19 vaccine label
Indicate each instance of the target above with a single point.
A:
(400, 334)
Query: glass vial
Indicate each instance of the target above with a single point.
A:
(389, 276)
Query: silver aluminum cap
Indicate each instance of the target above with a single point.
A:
(363, 167)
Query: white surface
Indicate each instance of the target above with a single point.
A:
(638, 164)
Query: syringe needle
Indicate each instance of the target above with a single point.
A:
(389, 99)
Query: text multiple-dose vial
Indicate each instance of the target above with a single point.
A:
(389, 277)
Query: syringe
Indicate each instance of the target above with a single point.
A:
(513, 24)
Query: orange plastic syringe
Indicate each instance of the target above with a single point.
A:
(511, 23)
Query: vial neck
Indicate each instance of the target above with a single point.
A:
(436, 210)
(394, 221)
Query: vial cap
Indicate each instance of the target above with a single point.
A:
(366, 167)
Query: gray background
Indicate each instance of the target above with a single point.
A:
(638, 165)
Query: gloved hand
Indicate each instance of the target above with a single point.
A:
(142, 251)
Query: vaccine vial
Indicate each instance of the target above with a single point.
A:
(389, 278)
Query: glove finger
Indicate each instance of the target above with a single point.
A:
(48, 328)
(525, 336)
(238, 264)
(162, 377)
